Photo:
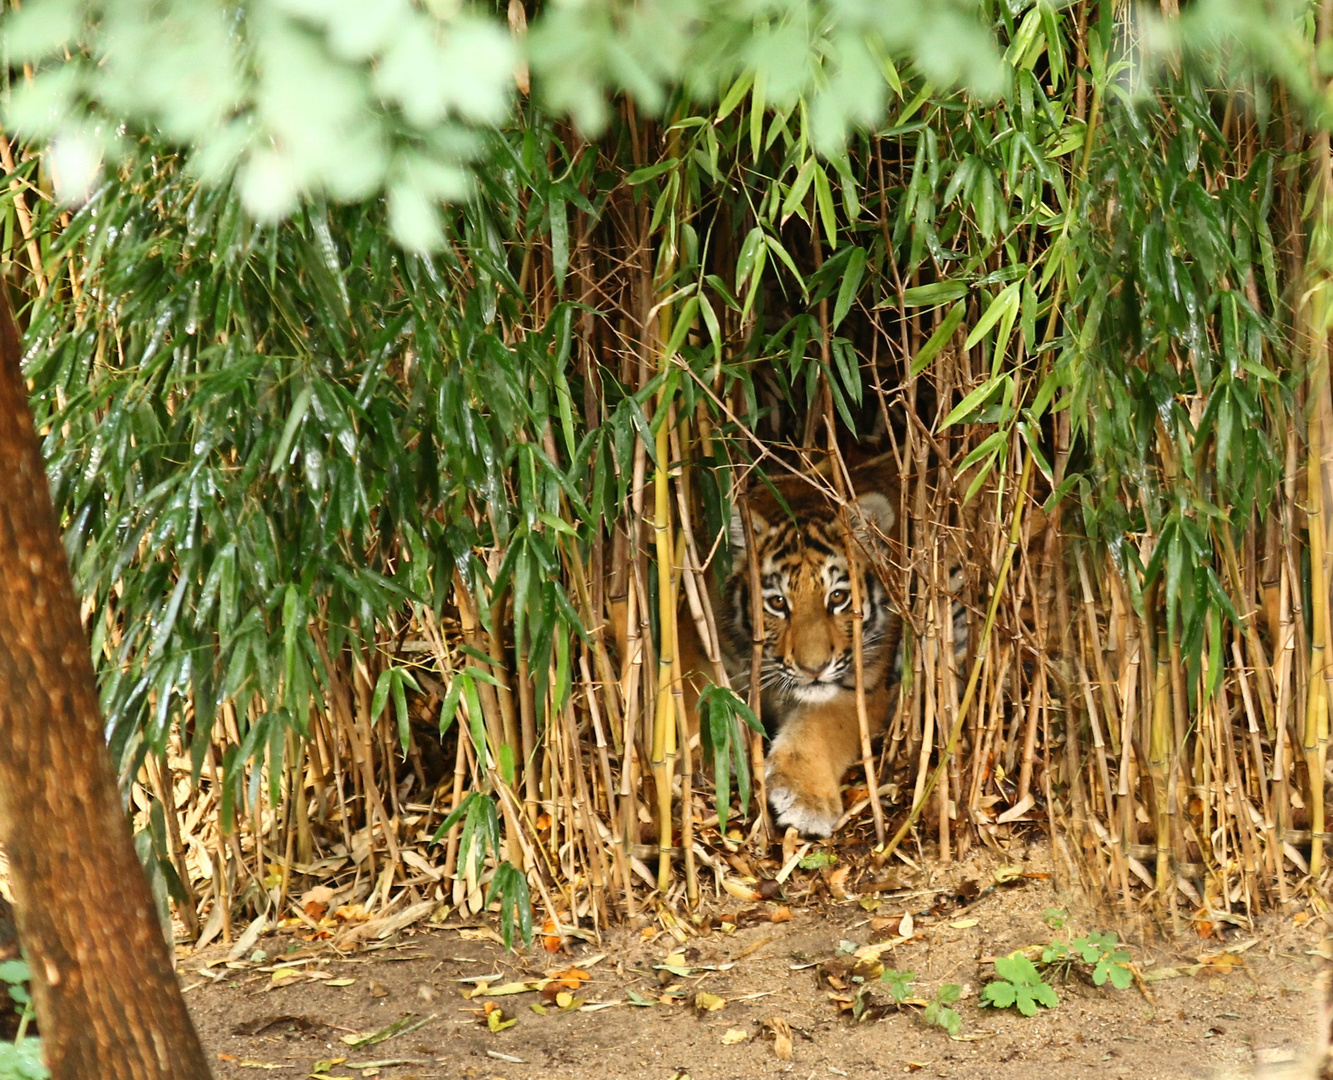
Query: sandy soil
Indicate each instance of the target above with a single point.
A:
(1238, 1005)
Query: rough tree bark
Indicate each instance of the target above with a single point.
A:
(107, 999)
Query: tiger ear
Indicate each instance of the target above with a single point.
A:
(737, 531)
(873, 516)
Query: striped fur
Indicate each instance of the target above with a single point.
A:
(808, 670)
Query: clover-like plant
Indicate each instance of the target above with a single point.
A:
(1019, 985)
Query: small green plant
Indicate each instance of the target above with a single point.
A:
(1099, 950)
(21, 1059)
(937, 1012)
(1019, 984)
(1055, 917)
(899, 983)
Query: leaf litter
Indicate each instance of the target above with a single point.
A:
(733, 991)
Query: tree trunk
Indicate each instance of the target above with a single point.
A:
(107, 998)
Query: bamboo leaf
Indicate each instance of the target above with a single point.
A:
(847, 289)
(941, 337)
(299, 407)
(1004, 306)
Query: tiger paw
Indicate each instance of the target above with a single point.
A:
(802, 802)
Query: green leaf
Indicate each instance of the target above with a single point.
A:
(975, 399)
(380, 698)
(939, 292)
(941, 337)
(1005, 305)
(650, 172)
(559, 240)
(299, 408)
(847, 288)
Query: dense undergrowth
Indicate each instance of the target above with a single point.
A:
(369, 539)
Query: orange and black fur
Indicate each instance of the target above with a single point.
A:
(808, 671)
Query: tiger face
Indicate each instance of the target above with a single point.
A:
(806, 582)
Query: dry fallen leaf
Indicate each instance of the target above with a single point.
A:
(706, 1002)
(480, 933)
(740, 890)
(571, 978)
(315, 902)
(1225, 962)
(781, 1037)
(351, 913)
(732, 1036)
(837, 882)
(377, 989)
(782, 913)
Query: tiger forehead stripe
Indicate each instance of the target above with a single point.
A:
(789, 539)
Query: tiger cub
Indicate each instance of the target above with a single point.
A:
(808, 670)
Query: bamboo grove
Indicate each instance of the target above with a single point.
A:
(385, 556)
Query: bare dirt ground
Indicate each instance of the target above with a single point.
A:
(1238, 1005)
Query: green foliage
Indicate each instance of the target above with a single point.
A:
(1019, 985)
(21, 1059)
(937, 1011)
(899, 983)
(16, 975)
(723, 717)
(510, 888)
(1100, 951)
(1055, 918)
(278, 449)
(478, 838)
(297, 99)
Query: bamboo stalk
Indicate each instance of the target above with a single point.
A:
(978, 662)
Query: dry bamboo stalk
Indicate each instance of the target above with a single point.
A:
(527, 734)
(943, 679)
(489, 643)
(1314, 741)
(664, 714)
(160, 782)
(1119, 873)
(1262, 672)
(991, 731)
(599, 873)
(1104, 680)
(842, 481)
(756, 657)
(632, 658)
(1159, 744)
(456, 800)
(604, 764)
(979, 660)
(929, 649)
(490, 697)
(24, 216)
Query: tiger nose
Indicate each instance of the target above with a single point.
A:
(815, 671)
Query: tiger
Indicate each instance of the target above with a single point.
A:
(808, 671)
